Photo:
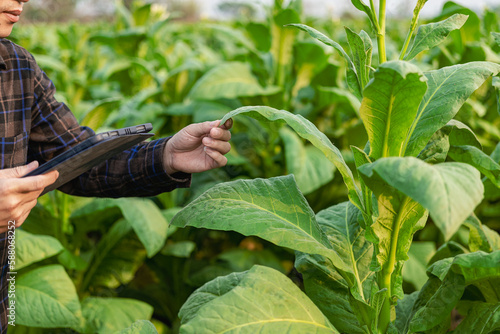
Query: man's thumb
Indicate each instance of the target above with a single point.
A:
(20, 171)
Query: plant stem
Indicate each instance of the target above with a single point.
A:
(381, 33)
(385, 277)
(413, 26)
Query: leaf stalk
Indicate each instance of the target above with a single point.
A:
(413, 26)
(388, 268)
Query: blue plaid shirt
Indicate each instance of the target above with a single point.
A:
(35, 126)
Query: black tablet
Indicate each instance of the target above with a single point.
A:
(91, 152)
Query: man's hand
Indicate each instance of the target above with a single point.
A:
(19, 195)
(198, 147)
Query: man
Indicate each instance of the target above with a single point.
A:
(35, 127)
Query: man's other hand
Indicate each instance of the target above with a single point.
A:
(198, 147)
(19, 195)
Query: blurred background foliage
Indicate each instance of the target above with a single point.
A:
(144, 62)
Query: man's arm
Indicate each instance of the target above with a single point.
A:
(138, 171)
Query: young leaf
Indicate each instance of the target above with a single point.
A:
(31, 248)
(389, 106)
(477, 158)
(46, 297)
(108, 315)
(264, 301)
(352, 75)
(361, 53)
(360, 5)
(229, 81)
(283, 43)
(309, 131)
(432, 34)
(272, 209)
(450, 191)
(448, 89)
(309, 165)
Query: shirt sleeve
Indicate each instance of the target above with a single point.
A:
(135, 172)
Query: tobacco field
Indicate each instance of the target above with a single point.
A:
(361, 196)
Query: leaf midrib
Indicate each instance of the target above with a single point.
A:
(419, 115)
(273, 213)
(277, 320)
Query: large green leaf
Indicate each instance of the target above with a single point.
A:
(307, 163)
(272, 209)
(450, 191)
(432, 34)
(208, 292)
(31, 248)
(140, 327)
(309, 131)
(329, 292)
(341, 225)
(435, 302)
(453, 133)
(323, 283)
(46, 297)
(484, 318)
(116, 259)
(263, 301)
(229, 81)
(390, 103)
(352, 75)
(481, 237)
(448, 89)
(108, 315)
(454, 274)
(477, 158)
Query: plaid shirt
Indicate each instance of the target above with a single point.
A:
(35, 126)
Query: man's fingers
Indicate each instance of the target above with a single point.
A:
(219, 159)
(218, 133)
(36, 183)
(222, 147)
(212, 129)
(228, 125)
(20, 171)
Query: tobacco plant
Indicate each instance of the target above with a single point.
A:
(419, 165)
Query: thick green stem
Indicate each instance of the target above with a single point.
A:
(381, 33)
(385, 276)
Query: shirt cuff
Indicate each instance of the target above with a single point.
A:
(157, 177)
